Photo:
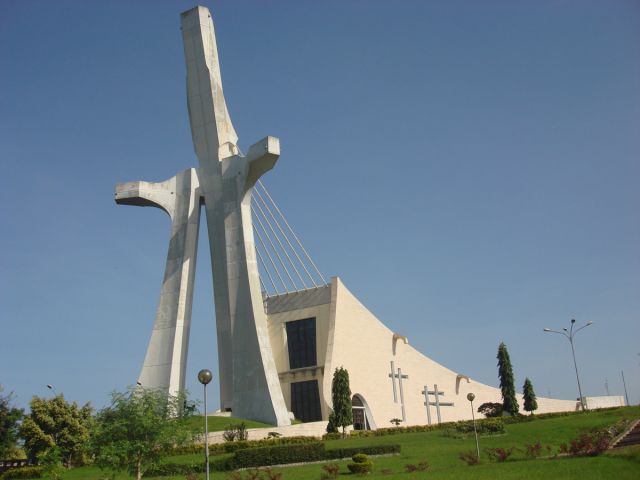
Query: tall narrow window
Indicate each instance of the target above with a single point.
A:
(305, 401)
(301, 341)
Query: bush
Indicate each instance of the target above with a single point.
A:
(22, 472)
(588, 444)
(332, 470)
(490, 409)
(499, 454)
(534, 450)
(332, 436)
(470, 457)
(236, 432)
(420, 467)
(361, 464)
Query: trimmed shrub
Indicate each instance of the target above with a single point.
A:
(361, 464)
(22, 472)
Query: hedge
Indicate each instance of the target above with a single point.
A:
(22, 472)
(277, 455)
(273, 455)
(348, 452)
(231, 447)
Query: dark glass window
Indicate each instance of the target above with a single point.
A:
(305, 401)
(301, 340)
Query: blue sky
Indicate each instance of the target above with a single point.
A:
(469, 169)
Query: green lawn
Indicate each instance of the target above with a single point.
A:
(217, 424)
(441, 452)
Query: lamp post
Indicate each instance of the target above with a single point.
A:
(570, 333)
(50, 387)
(204, 377)
(471, 397)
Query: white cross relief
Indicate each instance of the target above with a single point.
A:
(399, 376)
(437, 403)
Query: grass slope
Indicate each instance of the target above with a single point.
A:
(441, 452)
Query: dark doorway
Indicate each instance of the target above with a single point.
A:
(305, 401)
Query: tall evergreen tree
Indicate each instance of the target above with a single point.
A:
(530, 402)
(507, 387)
(341, 399)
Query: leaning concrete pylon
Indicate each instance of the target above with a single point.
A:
(249, 383)
(165, 362)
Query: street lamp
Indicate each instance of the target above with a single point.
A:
(570, 334)
(471, 397)
(204, 377)
(50, 387)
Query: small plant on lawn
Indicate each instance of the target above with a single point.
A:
(253, 474)
(470, 457)
(587, 444)
(236, 433)
(533, 451)
(499, 454)
(271, 475)
(420, 467)
(396, 421)
(331, 470)
(361, 464)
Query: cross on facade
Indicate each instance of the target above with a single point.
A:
(399, 376)
(437, 403)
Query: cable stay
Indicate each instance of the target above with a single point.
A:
(284, 264)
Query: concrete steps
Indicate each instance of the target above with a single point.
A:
(630, 437)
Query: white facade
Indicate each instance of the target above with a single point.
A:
(349, 336)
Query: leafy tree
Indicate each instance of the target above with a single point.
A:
(490, 409)
(9, 424)
(341, 399)
(137, 429)
(59, 426)
(530, 402)
(505, 372)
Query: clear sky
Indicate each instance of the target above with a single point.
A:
(469, 169)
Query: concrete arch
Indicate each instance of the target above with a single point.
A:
(358, 401)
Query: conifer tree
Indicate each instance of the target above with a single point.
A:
(341, 399)
(530, 403)
(507, 387)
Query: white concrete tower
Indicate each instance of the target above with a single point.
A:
(249, 383)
